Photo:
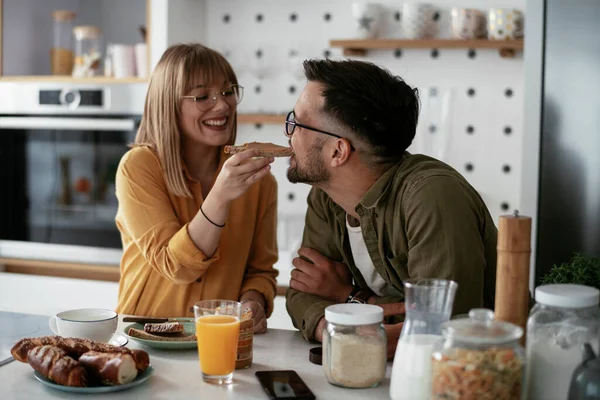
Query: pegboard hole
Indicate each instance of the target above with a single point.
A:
(432, 128)
(470, 129)
(436, 16)
(259, 18)
(469, 167)
(435, 53)
(505, 206)
(257, 89)
(507, 130)
(258, 126)
(397, 16)
(508, 92)
(472, 54)
(433, 92)
(226, 18)
(259, 53)
(471, 92)
(291, 196)
(292, 89)
(327, 53)
(293, 17)
(327, 17)
(506, 168)
(398, 53)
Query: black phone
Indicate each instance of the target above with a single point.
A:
(281, 385)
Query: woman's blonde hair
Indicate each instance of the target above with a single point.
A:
(177, 70)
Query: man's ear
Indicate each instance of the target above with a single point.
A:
(340, 152)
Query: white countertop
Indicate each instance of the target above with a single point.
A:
(177, 375)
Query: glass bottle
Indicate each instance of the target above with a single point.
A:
(479, 358)
(354, 345)
(428, 304)
(61, 54)
(87, 51)
(565, 317)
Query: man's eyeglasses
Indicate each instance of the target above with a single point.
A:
(205, 101)
(290, 125)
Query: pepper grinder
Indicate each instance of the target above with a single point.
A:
(512, 270)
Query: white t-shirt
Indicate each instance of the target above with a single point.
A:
(363, 262)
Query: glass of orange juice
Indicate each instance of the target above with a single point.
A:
(217, 330)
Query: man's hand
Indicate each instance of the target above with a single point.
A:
(328, 279)
(255, 301)
(393, 331)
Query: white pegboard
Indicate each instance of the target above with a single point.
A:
(465, 116)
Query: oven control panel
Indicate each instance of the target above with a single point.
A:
(72, 98)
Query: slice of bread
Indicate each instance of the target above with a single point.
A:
(264, 149)
(167, 327)
(175, 337)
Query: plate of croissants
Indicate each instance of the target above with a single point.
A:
(82, 365)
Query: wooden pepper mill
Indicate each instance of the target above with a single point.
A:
(512, 270)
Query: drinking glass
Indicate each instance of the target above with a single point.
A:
(217, 330)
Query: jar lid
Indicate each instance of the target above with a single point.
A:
(354, 314)
(86, 31)
(63, 15)
(481, 328)
(567, 295)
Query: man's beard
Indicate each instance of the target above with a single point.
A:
(314, 170)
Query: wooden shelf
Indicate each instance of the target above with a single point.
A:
(70, 79)
(507, 48)
(273, 119)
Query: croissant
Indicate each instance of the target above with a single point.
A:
(110, 368)
(75, 347)
(56, 365)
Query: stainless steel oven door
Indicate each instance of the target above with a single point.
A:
(58, 200)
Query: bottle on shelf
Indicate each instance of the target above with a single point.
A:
(61, 54)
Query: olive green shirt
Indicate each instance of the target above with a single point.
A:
(420, 219)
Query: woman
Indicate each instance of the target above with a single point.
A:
(195, 223)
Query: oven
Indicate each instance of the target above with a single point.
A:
(60, 147)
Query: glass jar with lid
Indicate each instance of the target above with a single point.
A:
(61, 54)
(354, 345)
(565, 317)
(87, 51)
(479, 358)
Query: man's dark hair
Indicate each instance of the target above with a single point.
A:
(379, 107)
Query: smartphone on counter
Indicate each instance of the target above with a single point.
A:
(280, 385)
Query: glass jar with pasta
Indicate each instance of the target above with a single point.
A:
(480, 358)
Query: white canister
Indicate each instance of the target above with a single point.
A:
(123, 60)
(420, 20)
(467, 23)
(367, 19)
(505, 24)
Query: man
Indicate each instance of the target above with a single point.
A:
(377, 215)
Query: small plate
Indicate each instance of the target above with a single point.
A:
(188, 329)
(141, 378)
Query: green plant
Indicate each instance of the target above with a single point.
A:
(580, 269)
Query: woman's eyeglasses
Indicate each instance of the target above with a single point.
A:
(205, 101)
(290, 125)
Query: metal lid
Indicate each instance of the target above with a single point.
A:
(354, 314)
(567, 295)
(86, 32)
(63, 15)
(481, 328)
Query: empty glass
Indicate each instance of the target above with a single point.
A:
(428, 304)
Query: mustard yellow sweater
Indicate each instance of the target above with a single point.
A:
(163, 273)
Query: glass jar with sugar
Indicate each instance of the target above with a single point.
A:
(354, 345)
(565, 317)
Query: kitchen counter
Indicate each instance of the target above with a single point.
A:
(177, 375)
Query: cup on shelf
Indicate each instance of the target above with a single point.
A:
(420, 20)
(123, 60)
(367, 19)
(141, 60)
(467, 23)
(505, 24)
(85, 323)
